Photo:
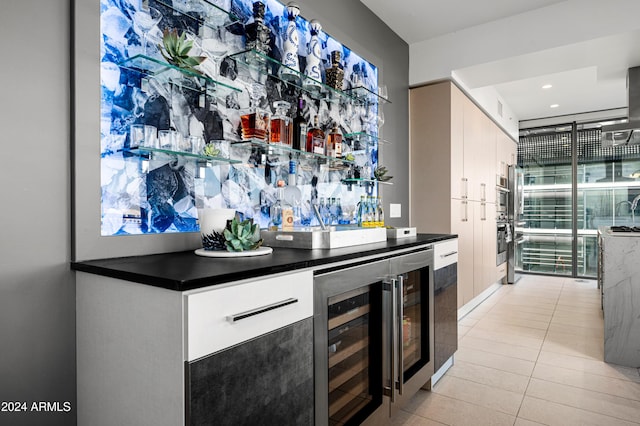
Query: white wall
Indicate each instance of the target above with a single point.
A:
(506, 41)
(37, 294)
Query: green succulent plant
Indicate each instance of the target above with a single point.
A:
(380, 173)
(175, 49)
(210, 150)
(239, 236)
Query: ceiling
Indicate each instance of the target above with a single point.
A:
(586, 75)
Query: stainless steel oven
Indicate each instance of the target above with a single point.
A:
(503, 236)
(373, 333)
(502, 200)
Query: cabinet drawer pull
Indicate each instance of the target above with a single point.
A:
(448, 254)
(262, 309)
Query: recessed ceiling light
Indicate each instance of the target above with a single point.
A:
(547, 86)
(554, 106)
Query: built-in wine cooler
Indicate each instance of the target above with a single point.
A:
(355, 331)
(373, 328)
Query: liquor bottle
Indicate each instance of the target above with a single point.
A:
(290, 44)
(275, 211)
(281, 211)
(335, 75)
(371, 213)
(368, 214)
(380, 212)
(258, 34)
(312, 70)
(324, 212)
(360, 212)
(281, 125)
(315, 138)
(334, 142)
(299, 127)
(255, 120)
(333, 217)
(339, 212)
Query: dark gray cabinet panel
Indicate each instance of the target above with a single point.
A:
(445, 313)
(265, 381)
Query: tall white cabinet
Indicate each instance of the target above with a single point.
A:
(456, 154)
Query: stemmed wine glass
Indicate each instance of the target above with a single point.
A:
(145, 20)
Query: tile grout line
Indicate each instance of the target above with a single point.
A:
(535, 363)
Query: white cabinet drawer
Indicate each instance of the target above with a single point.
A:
(220, 318)
(445, 253)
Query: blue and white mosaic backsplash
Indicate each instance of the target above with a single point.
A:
(163, 194)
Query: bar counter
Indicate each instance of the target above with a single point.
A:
(182, 271)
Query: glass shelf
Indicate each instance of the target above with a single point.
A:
(214, 16)
(164, 71)
(360, 181)
(334, 163)
(366, 138)
(144, 152)
(267, 65)
(365, 94)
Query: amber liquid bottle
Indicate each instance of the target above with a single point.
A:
(281, 125)
(299, 128)
(315, 138)
(334, 143)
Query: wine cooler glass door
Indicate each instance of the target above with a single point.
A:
(353, 367)
(348, 344)
(412, 322)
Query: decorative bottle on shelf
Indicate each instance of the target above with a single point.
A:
(291, 69)
(275, 211)
(281, 212)
(360, 212)
(299, 127)
(258, 34)
(281, 125)
(312, 70)
(380, 211)
(315, 138)
(334, 76)
(255, 120)
(334, 142)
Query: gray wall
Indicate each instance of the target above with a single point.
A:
(37, 306)
(37, 297)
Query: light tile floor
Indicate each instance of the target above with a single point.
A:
(531, 354)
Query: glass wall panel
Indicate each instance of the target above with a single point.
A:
(545, 157)
(608, 184)
(607, 194)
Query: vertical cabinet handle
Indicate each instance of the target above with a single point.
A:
(399, 334)
(483, 211)
(465, 188)
(483, 192)
(392, 341)
(464, 211)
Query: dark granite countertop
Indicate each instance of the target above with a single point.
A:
(185, 270)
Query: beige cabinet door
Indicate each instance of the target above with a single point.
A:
(462, 224)
(487, 165)
(473, 128)
(479, 266)
(458, 182)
